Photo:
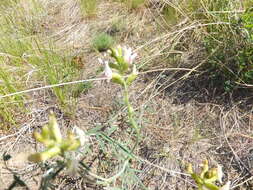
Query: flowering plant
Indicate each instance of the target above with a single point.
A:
(52, 139)
(207, 177)
(117, 72)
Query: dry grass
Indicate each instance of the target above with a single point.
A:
(182, 119)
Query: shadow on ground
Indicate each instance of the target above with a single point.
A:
(203, 89)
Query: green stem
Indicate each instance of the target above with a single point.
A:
(130, 111)
(111, 179)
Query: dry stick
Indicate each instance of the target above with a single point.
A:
(242, 135)
(169, 69)
(51, 86)
(87, 80)
(247, 180)
(15, 134)
(225, 12)
(244, 85)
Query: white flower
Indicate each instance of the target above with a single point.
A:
(108, 70)
(135, 72)
(219, 173)
(226, 186)
(80, 134)
(128, 55)
(100, 61)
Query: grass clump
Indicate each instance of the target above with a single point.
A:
(12, 105)
(14, 46)
(134, 4)
(175, 11)
(25, 60)
(102, 42)
(230, 46)
(225, 37)
(89, 7)
(57, 68)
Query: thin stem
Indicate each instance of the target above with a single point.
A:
(131, 116)
(107, 180)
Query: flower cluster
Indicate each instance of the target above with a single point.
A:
(207, 177)
(124, 61)
(52, 139)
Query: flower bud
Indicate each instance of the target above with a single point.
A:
(117, 78)
(211, 175)
(73, 145)
(205, 168)
(189, 168)
(46, 141)
(54, 128)
(38, 137)
(114, 66)
(45, 132)
(210, 186)
(116, 52)
(43, 156)
(132, 76)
